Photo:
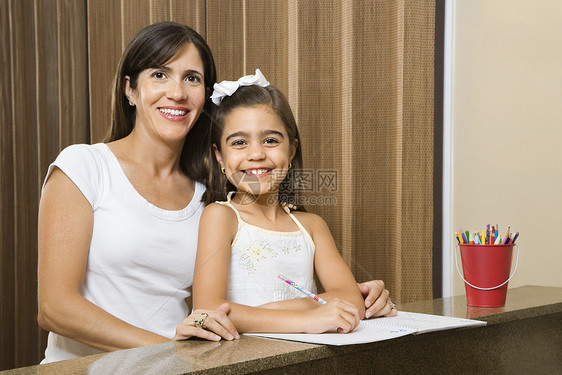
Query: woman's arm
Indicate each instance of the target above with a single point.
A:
(376, 299)
(216, 325)
(217, 230)
(65, 230)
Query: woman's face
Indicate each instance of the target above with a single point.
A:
(169, 99)
(255, 149)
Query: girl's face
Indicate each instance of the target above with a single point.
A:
(169, 99)
(255, 150)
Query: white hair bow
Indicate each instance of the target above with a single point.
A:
(227, 88)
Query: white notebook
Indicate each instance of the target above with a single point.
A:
(379, 329)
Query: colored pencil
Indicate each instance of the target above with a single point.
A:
(301, 289)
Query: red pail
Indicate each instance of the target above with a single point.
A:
(486, 270)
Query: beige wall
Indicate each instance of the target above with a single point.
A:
(507, 128)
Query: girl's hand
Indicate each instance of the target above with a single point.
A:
(336, 315)
(216, 325)
(376, 299)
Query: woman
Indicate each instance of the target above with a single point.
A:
(118, 221)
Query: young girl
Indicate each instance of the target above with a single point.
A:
(246, 241)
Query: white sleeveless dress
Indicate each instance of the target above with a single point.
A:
(260, 255)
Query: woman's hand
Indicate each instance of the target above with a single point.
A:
(336, 315)
(215, 325)
(377, 299)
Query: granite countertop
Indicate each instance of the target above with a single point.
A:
(251, 354)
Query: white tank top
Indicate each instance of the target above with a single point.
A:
(141, 257)
(260, 255)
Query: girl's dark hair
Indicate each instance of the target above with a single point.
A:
(246, 96)
(153, 47)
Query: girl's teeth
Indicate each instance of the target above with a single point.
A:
(173, 112)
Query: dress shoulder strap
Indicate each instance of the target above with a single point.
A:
(301, 227)
(297, 222)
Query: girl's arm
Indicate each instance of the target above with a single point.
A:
(334, 274)
(373, 291)
(217, 230)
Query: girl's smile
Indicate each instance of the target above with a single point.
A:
(259, 172)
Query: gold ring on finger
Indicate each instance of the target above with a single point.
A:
(199, 320)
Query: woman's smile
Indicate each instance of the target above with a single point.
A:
(174, 113)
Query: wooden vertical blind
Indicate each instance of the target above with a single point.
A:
(44, 108)
(361, 86)
(358, 74)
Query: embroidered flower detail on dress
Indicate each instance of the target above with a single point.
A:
(256, 253)
(296, 248)
(253, 256)
(291, 249)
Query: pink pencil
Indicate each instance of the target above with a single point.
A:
(301, 289)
